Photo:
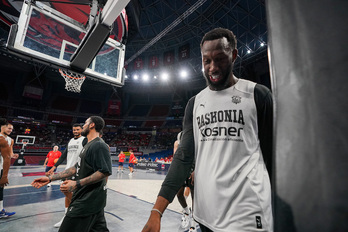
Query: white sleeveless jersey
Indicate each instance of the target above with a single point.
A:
(9, 141)
(232, 186)
(74, 150)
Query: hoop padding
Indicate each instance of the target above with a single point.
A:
(73, 81)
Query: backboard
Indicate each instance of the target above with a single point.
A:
(48, 36)
(21, 139)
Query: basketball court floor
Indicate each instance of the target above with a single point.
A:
(130, 199)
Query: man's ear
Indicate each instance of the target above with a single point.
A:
(234, 55)
(91, 125)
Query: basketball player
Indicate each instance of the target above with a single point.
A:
(6, 150)
(227, 129)
(121, 158)
(51, 157)
(132, 162)
(71, 154)
(86, 210)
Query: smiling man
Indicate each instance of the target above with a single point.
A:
(6, 153)
(227, 129)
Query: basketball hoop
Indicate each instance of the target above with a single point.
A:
(73, 81)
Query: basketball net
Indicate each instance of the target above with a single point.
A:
(73, 81)
(24, 143)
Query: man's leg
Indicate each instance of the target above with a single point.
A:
(100, 223)
(81, 224)
(3, 213)
(185, 218)
(68, 197)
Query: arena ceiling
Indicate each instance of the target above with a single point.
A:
(156, 27)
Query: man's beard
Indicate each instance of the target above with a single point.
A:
(77, 135)
(222, 84)
(85, 132)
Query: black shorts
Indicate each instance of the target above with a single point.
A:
(91, 223)
(120, 164)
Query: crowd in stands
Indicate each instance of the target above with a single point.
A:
(131, 140)
(46, 138)
(164, 140)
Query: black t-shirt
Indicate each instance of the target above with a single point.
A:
(90, 199)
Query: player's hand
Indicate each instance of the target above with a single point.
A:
(51, 171)
(3, 181)
(68, 186)
(154, 223)
(15, 156)
(40, 182)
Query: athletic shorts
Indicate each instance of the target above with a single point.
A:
(131, 165)
(92, 223)
(120, 164)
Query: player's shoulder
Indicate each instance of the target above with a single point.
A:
(100, 143)
(262, 90)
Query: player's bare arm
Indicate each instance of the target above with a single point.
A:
(14, 156)
(154, 222)
(70, 185)
(45, 162)
(42, 181)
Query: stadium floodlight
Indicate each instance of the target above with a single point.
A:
(145, 77)
(249, 51)
(262, 44)
(135, 77)
(164, 76)
(183, 73)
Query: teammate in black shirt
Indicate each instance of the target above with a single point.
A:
(86, 211)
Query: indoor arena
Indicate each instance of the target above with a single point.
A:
(173, 116)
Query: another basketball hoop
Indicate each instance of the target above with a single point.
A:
(24, 144)
(73, 81)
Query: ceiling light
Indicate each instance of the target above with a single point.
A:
(183, 73)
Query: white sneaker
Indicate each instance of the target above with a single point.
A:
(185, 220)
(193, 225)
(48, 185)
(58, 224)
(130, 174)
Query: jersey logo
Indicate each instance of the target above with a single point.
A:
(236, 99)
